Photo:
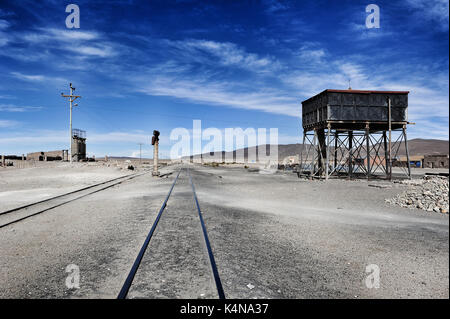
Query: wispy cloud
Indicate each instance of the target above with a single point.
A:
(44, 35)
(16, 108)
(4, 24)
(82, 43)
(37, 77)
(48, 43)
(311, 55)
(359, 31)
(289, 52)
(223, 94)
(435, 11)
(99, 51)
(225, 53)
(5, 38)
(8, 123)
(6, 96)
(28, 77)
(272, 6)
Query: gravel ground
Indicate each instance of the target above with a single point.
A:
(22, 186)
(101, 234)
(429, 193)
(273, 236)
(293, 238)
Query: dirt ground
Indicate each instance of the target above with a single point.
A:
(273, 236)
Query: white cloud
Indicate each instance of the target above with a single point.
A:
(71, 35)
(311, 55)
(359, 31)
(58, 35)
(225, 53)
(428, 101)
(5, 37)
(4, 24)
(432, 10)
(37, 78)
(188, 70)
(424, 128)
(27, 77)
(273, 6)
(16, 108)
(6, 96)
(87, 43)
(8, 123)
(100, 51)
(224, 94)
(44, 41)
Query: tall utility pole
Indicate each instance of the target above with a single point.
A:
(72, 98)
(140, 152)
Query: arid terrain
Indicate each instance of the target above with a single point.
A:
(273, 236)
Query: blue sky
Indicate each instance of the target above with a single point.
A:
(145, 65)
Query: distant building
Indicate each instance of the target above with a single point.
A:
(414, 161)
(78, 145)
(435, 161)
(291, 160)
(61, 155)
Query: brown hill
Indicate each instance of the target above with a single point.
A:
(416, 147)
(420, 146)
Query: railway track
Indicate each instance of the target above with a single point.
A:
(21, 213)
(129, 280)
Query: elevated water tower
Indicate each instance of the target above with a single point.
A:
(354, 133)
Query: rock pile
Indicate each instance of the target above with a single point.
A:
(429, 193)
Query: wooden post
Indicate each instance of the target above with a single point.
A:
(155, 159)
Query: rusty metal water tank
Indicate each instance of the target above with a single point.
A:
(354, 106)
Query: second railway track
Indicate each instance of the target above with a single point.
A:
(18, 214)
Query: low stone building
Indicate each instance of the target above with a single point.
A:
(435, 161)
(414, 161)
(61, 155)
